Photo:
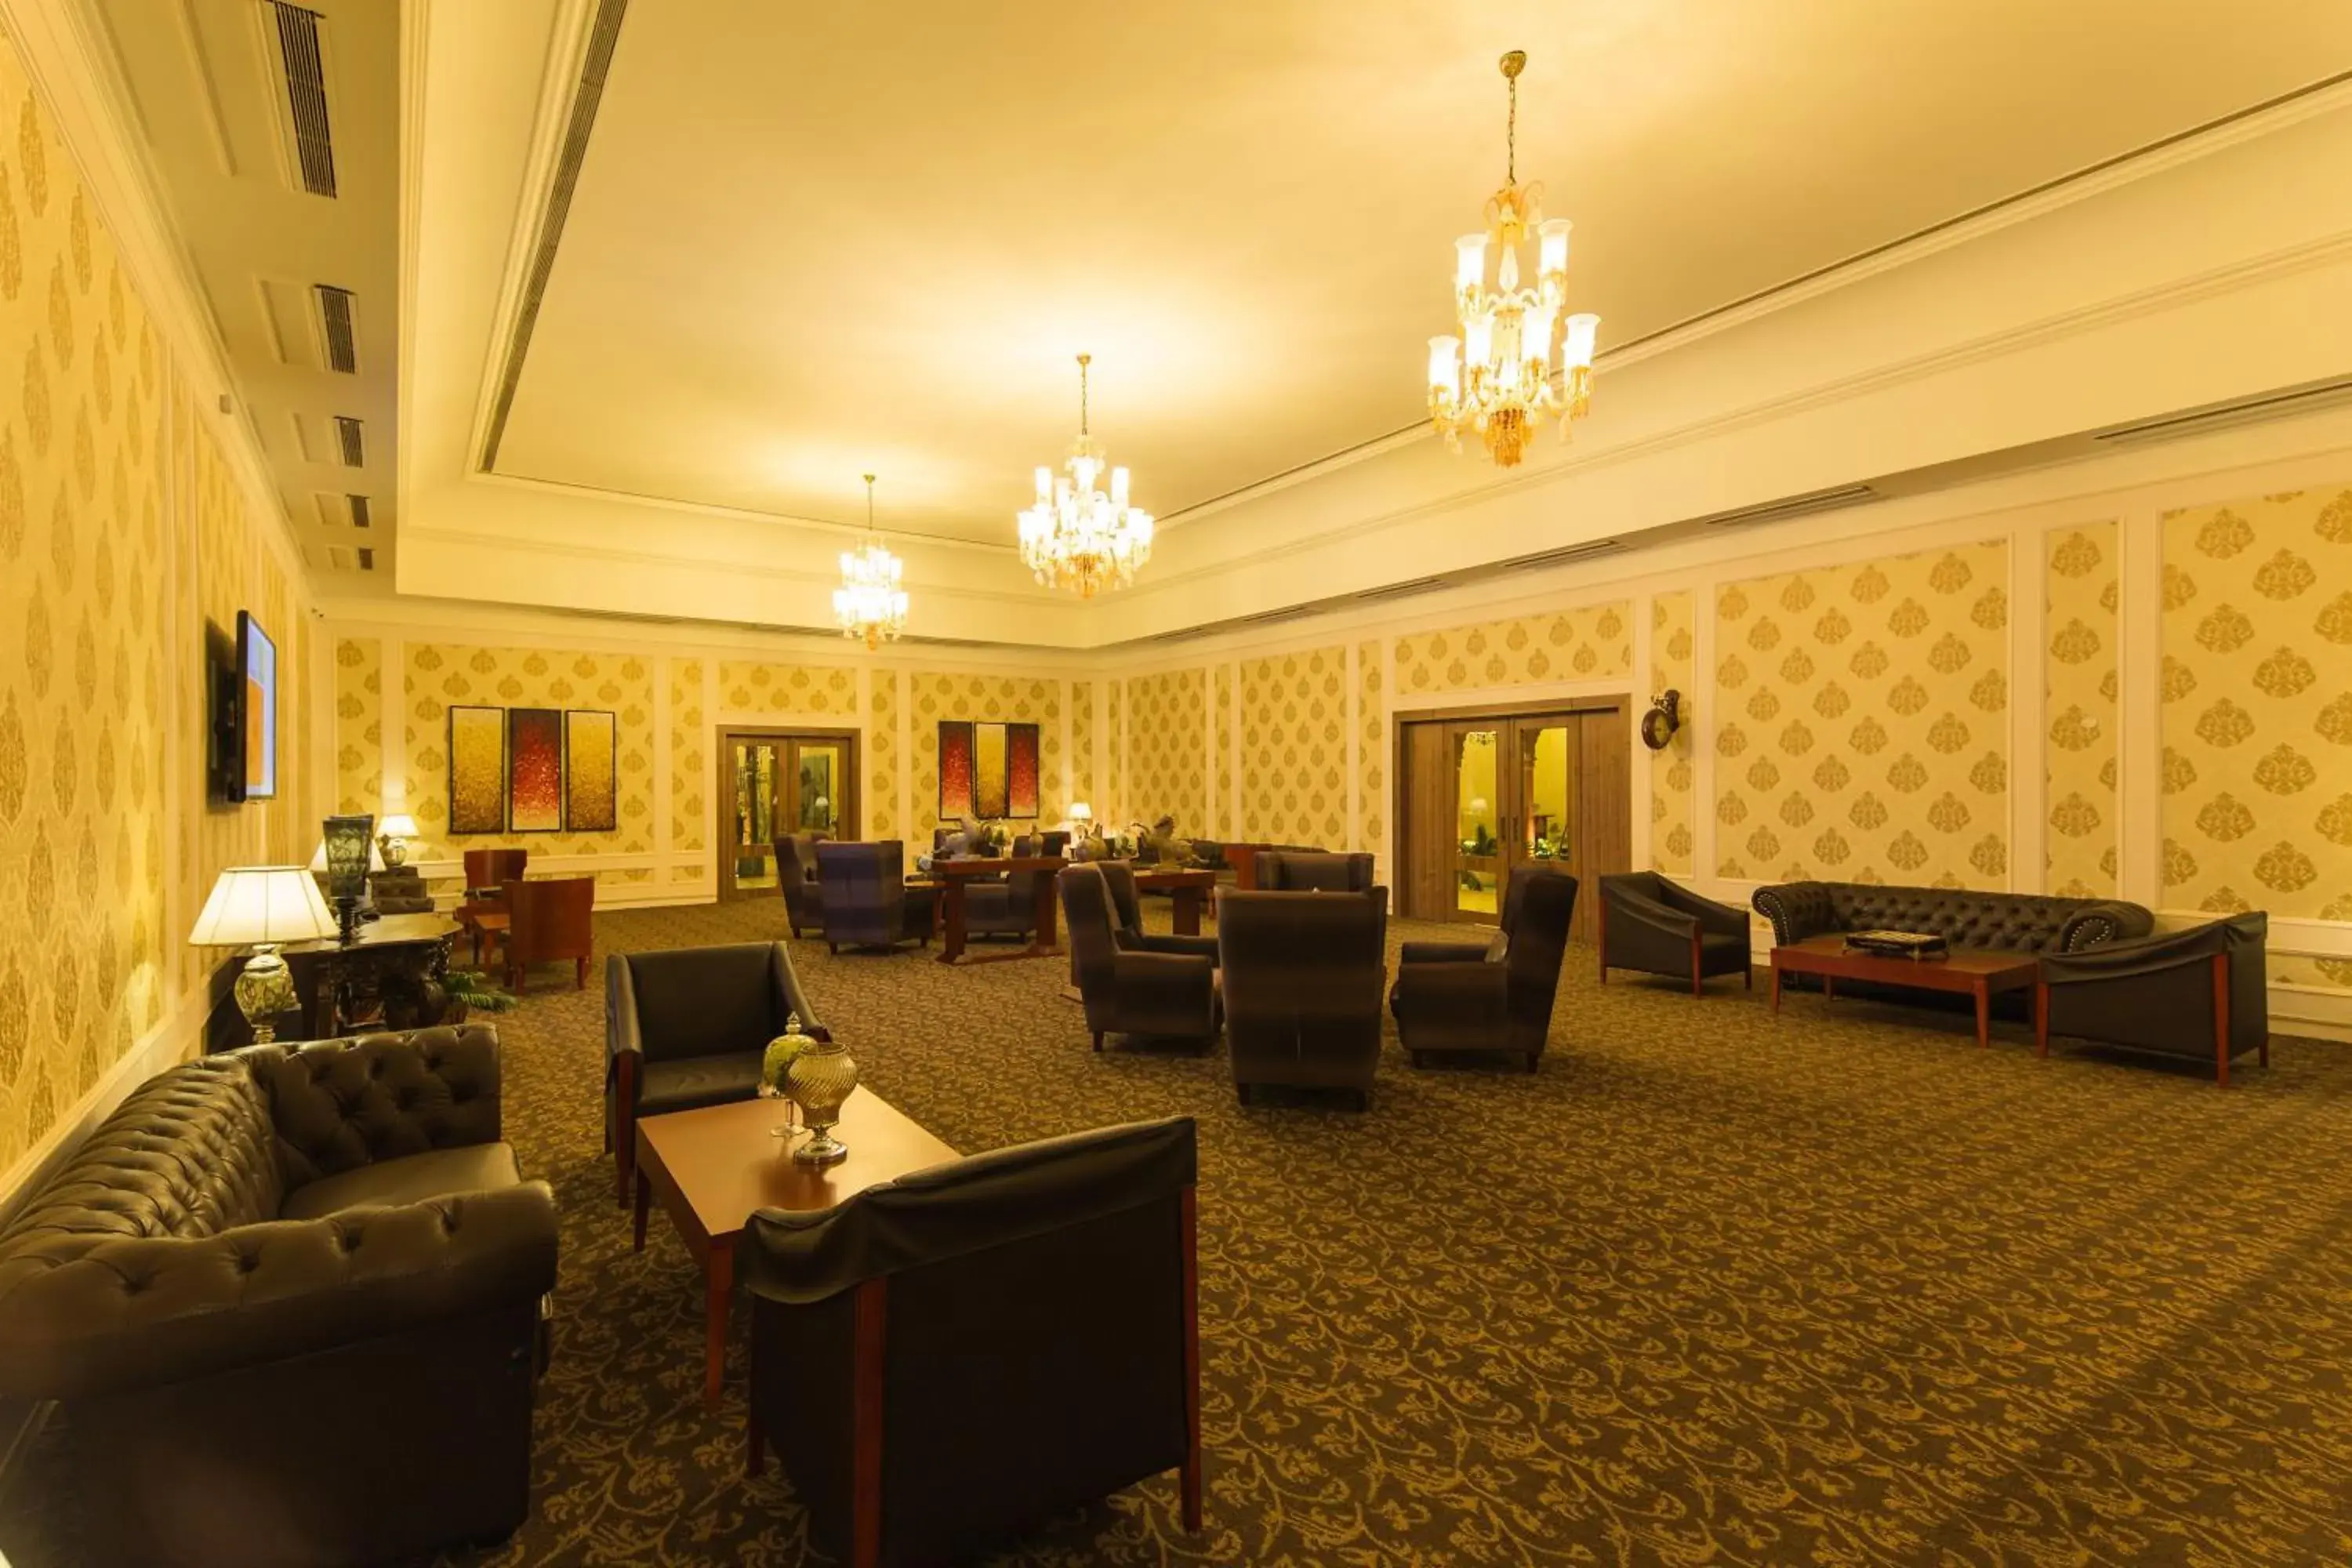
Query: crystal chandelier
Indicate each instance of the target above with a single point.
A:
(869, 603)
(1076, 536)
(1496, 377)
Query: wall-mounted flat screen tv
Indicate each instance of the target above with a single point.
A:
(245, 719)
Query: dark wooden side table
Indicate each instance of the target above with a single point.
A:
(710, 1169)
(953, 876)
(1981, 973)
(1186, 888)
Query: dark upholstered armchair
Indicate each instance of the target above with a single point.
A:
(1302, 977)
(796, 879)
(1314, 871)
(1656, 925)
(1007, 905)
(867, 900)
(2203, 992)
(289, 1299)
(1133, 991)
(2017, 922)
(961, 1354)
(686, 1027)
(1491, 996)
(1127, 917)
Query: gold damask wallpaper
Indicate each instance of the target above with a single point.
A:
(986, 699)
(691, 777)
(121, 535)
(1083, 784)
(882, 759)
(2078, 738)
(1861, 733)
(1294, 749)
(2258, 710)
(1167, 741)
(1673, 780)
(1591, 642)
(759, 693)
(441, 673)
(1373, 749)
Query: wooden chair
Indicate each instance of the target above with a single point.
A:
(546, 921)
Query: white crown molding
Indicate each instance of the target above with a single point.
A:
(69, 57)
(2022, 207)
(745, 514)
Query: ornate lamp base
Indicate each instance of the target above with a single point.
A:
(263, 989)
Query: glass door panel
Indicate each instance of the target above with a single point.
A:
(1543, 824)
(1479, 850)
(816, 787)
(755, 774)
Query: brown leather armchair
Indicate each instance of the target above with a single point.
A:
(1317, 871)
(313, 1269)
(2203, 992)
(796, 879)
(1495, 996)
(953, 1357)
(547, 922)
(1127, 917)
(1656, 925)
(1302, 977)
(867, 900)
(689, 1026)
(1133, 991)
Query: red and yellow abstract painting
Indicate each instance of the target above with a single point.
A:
(987, 770)
(534, 770)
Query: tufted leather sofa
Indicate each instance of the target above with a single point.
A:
(2020, 922)
(287, 1298)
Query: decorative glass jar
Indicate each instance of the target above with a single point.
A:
(818, 1080)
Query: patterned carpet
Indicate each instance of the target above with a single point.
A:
(1711, 1287)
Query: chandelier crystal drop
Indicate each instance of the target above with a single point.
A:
(1497, 377)
(1076, 536)
(869, 604)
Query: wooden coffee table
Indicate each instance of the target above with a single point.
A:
(711, 1168)
(1186, 887)
(1979, 972)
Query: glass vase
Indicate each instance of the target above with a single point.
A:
(819, 1080)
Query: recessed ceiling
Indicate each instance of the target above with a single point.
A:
(810, 242)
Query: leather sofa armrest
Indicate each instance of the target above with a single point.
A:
(143, 1310)
(1796, 910)
(2140, 958)
(1676, 922)
(1444, 952)
(621, 1034)
(2109, 920)
(1720, 919)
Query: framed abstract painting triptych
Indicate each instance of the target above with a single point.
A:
(533, 770)
(987, 770)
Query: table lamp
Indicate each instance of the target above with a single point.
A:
(1082, 817)
(392, 837)
(261, 907)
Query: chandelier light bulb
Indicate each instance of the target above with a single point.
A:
(1496, 377)
(1077, 536)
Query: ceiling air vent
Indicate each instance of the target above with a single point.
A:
(367, 559)
(1590, 550)
(1399, 590)
(302, 67)
(1787, 507)
(2309, 398)
(351, 441)
(336, 340)
(359, 518)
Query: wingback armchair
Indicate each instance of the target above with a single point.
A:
(689, 1026)
(950, 1358)
(1656, 925)
(867, 900)
(796, 879)
(1127, 918)
(1496, 995)
(1316, 871)
(289, 1299)
(547, 922)
(2203, 992)
(1006, 906)
(1133, 991)
(1302, 975)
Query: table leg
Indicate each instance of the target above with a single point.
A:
(1776, 988)
(2040, 1019)
(1984, 1015)
(1187, 911)
(644, 1207)
(1828, 987)
(1047, 933)
(719, 1297)
(951, 938)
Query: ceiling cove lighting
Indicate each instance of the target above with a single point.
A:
(869, 604)
(1495, 378)
(1077, 536)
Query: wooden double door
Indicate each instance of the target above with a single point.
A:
(775, 782)
(1482, 793)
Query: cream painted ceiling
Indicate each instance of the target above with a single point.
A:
(811, 241)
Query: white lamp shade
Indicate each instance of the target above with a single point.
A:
(399, 824)
(262, 903)
(1081, 811)
(375, 856)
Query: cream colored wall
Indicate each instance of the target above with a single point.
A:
(124, 539)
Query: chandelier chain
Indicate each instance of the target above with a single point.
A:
(1084, 360)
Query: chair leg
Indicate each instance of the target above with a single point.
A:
(580, 973)
(1533, 1058)
(1098, 1038)
(1749, 969)
(755, 1441)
